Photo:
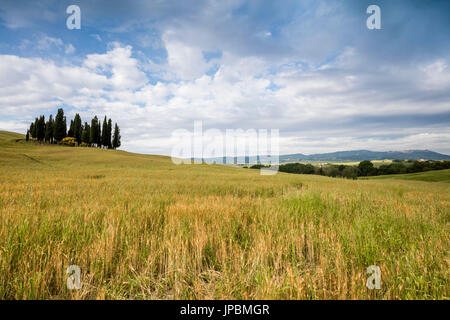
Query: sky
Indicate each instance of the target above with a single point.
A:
(311, 69)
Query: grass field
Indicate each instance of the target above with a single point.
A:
(140, 227)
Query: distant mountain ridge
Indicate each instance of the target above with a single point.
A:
(360, 155)
(339, 156)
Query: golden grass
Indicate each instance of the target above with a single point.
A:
(140, 227)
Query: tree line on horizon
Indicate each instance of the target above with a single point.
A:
(95, 134)
(363, 169)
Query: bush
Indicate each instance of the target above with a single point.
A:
(68, 141)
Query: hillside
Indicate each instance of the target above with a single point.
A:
(7, 135)
(140, 227)
(430, 176)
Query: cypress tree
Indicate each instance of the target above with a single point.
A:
(60, 126)
(109, 135)
(85, 136)
(93, 132)
(35, 127)
(116, 139)
(49, 130)
(40, 132)
(71, 132)
(105, 133)
(77, 128)
(28, 136)
(32, 130)
(99, 134)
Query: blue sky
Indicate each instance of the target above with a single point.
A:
(309, 68)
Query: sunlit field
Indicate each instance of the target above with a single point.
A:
(140, 227)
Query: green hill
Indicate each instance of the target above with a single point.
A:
(430, 176)
(140, 227)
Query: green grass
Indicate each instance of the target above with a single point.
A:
(429, 176)
(141, 227)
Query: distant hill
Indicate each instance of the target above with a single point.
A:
(360, 155)
(347, 156)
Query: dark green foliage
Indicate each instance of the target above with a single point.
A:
(60, 126)
(94, 137)
(71, 132)
(105, 133)
(40, 129)
(116, 138)
(85, 136)
(77, 128)
(32, 130)
(28, 136)
(109, 134)
(49, 128)
(99, 134)
(366, 168)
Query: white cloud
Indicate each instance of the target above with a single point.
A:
(316, 109)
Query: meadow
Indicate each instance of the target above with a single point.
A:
(140, 227)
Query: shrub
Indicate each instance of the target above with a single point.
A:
(68, 141)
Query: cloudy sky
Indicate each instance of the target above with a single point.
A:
(309, 68)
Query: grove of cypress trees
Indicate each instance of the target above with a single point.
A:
(96, 134)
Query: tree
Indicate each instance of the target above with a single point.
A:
(350, 172)
(60, 126)
(32, 131)
(99, 134)
(116, 139)
(366, 168)
(77, 128)
(93, 135)
(28, 136)
(105, 133)
(40, 131)
(35, 127)
(109, 135)
(71, 132)
(49, 130)
(85, 136)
